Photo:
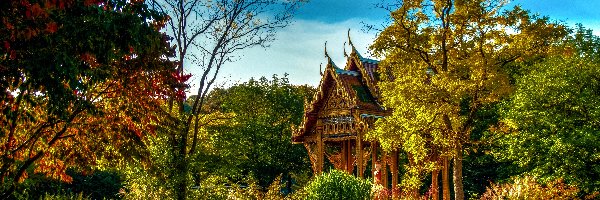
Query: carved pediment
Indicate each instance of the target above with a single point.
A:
(337, 100)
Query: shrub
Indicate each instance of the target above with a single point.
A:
(528, 188)
(338, 185)
(95, 185)
(65, 196)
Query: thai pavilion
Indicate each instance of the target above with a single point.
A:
(344, 107)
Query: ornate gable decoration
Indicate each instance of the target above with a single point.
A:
(341, 93)
(367, 68)
(337, 100)
(337, 94)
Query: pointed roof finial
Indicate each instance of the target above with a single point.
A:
(350, 41)
(329, 60)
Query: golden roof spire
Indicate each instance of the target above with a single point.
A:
(327, 54)
(350, 42)
(329, 61)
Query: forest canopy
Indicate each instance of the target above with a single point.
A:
(95, 103)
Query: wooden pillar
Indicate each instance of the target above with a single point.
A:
(349, 158)
(359, 154)
(344, 157)
(394, 169)
(320, 151)
(374, 163)
(374, 160)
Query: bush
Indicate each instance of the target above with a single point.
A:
(528, 188)
(338, 185)
(65, 196)
(254, 191)
(95, 185)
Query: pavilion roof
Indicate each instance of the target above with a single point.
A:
(358, 82)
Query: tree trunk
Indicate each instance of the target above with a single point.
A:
(457, 175)
(181, 180)
(394, 171)
(446, 182)
(384, 170)
(435, 188)
(288, 184)
(180, 172)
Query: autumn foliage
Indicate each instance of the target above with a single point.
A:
(91, 84)
(528, 188)
(80, 83)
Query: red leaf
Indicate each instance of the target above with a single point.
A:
(13, 54)
(8, 25)
(36, 10)
(137, 132)
(23, 177)
(6, 45)
(25, 3)
(51, 27)
(49, 4)
(92, 2)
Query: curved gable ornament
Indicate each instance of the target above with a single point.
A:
(355, 59)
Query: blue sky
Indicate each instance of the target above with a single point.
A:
(298, 49)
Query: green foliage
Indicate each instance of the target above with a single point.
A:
(94, 185)
(446, 61)
(154, 179)
(481, 169)
(244, 140)
(256, 141)
(555, 113)
(97, 185)
(584, 44)
(338, 185)
(551, 121)
(53, 196)
(480, 166)
(66, 196)
(528, 188)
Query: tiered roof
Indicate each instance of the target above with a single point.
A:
(356, 83)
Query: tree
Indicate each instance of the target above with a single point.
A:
(444, 61)
(256, 141)
(77, 77)
(208, 34)
(553, 117)
(244, 136)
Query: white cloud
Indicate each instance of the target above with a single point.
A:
(297, 51)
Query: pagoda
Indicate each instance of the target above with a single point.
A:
(343, 109)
